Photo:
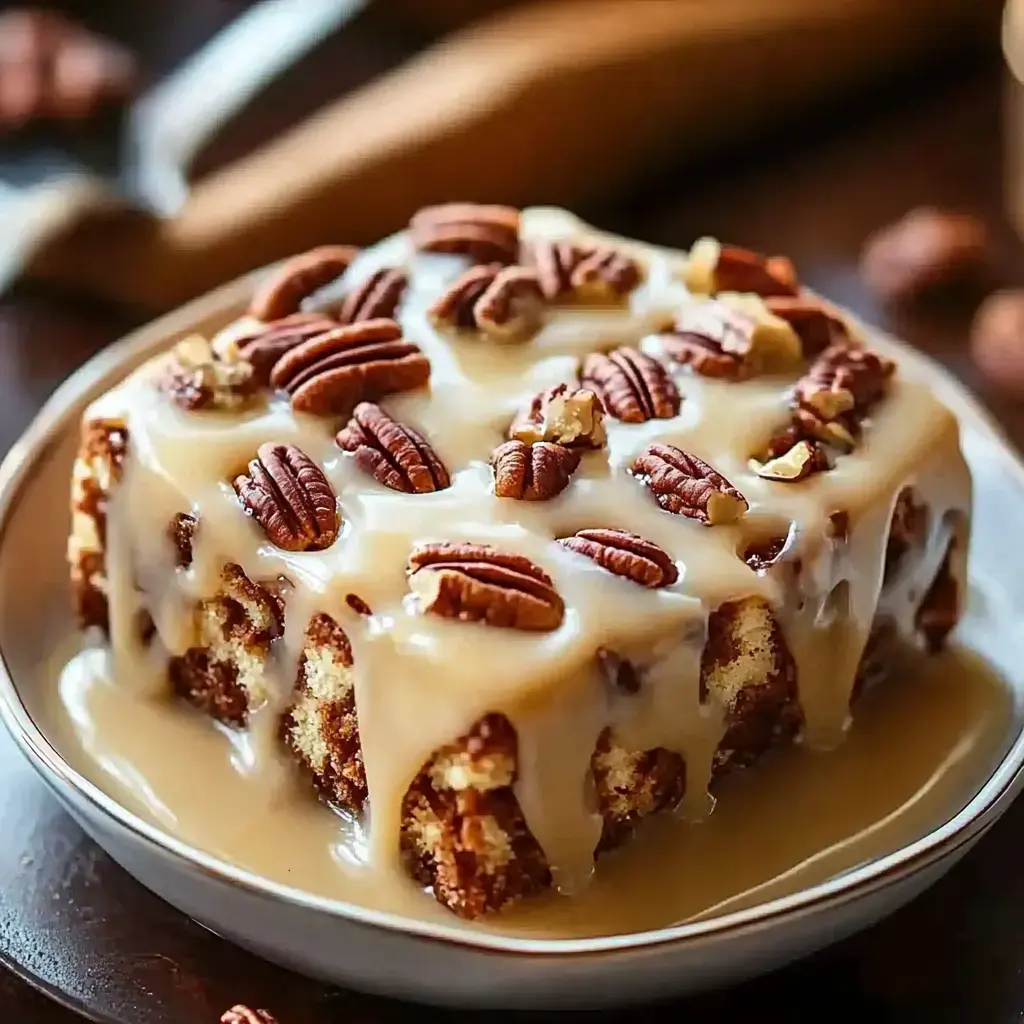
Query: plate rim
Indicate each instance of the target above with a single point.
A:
(975, 817)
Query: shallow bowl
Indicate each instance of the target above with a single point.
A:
(369, 950)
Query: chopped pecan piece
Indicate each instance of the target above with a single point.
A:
(262, 348)
(817, 327)
(532, 472)
(572, 417)
(797, 463)
(688, 486)
(476, 582)
(732, 339)
(331, 373)
(287, 493)
(375, 298)
(196, 379)
(714, 267)
(632, 386)
(487, 234)
(502, 302)
(394, 455)
(625, 554)
(838, 391)
(597, 274)
(299, 278)
(243, 1015)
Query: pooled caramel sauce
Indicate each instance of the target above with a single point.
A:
(920, 746)
(421, 680)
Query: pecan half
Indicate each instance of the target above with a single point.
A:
(298, 278)
(713, 267)
(196, 379)
(532, 472)
(817, 327)
(502, 302)
(394, 455)
(333, 372)
(632, 386)
(625, 554)
(732, 339)
(597, 274)
(243, 1015)
(485, 233)
(569, 416)
(476, 582)
(510, 307)
(688, 486)
(287, 493)
(376, 297)
(262, 348)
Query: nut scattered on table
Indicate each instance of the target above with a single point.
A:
(926, 250)
(997, 340)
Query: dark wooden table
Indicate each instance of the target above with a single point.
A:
(814, 192)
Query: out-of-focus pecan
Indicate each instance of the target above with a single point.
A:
(286, 492)
(196, 379)
(569, 416)
(625, 554)
(632, 386)
(476, 582)
(510, 307)
(817, 327)
(502, 302)
(713, 267)
(596, 274)
(796, 463)
(243, 1015)
(997, 340)
(687, 486)
(394, 455)
(262, 348)
(375, 298)
(732, 339)
(485, 233)
(926, 249)
(298, 278)
(331, 373)
(532, 472)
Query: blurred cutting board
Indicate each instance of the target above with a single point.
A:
(560, 101)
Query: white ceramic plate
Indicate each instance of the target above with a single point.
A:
(365, 949)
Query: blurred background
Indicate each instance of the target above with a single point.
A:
(151, 150)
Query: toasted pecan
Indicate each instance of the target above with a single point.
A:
(714, 267)
(532, 472)
(569, 416)
(687, 486)
(485, 233)
(632, 386)
(625, 554)
(589, 273)
(393, 454)
(479, 583)
(300, 277)
(331, 373)
(289, 496)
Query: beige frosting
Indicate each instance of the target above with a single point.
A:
(422, 680)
